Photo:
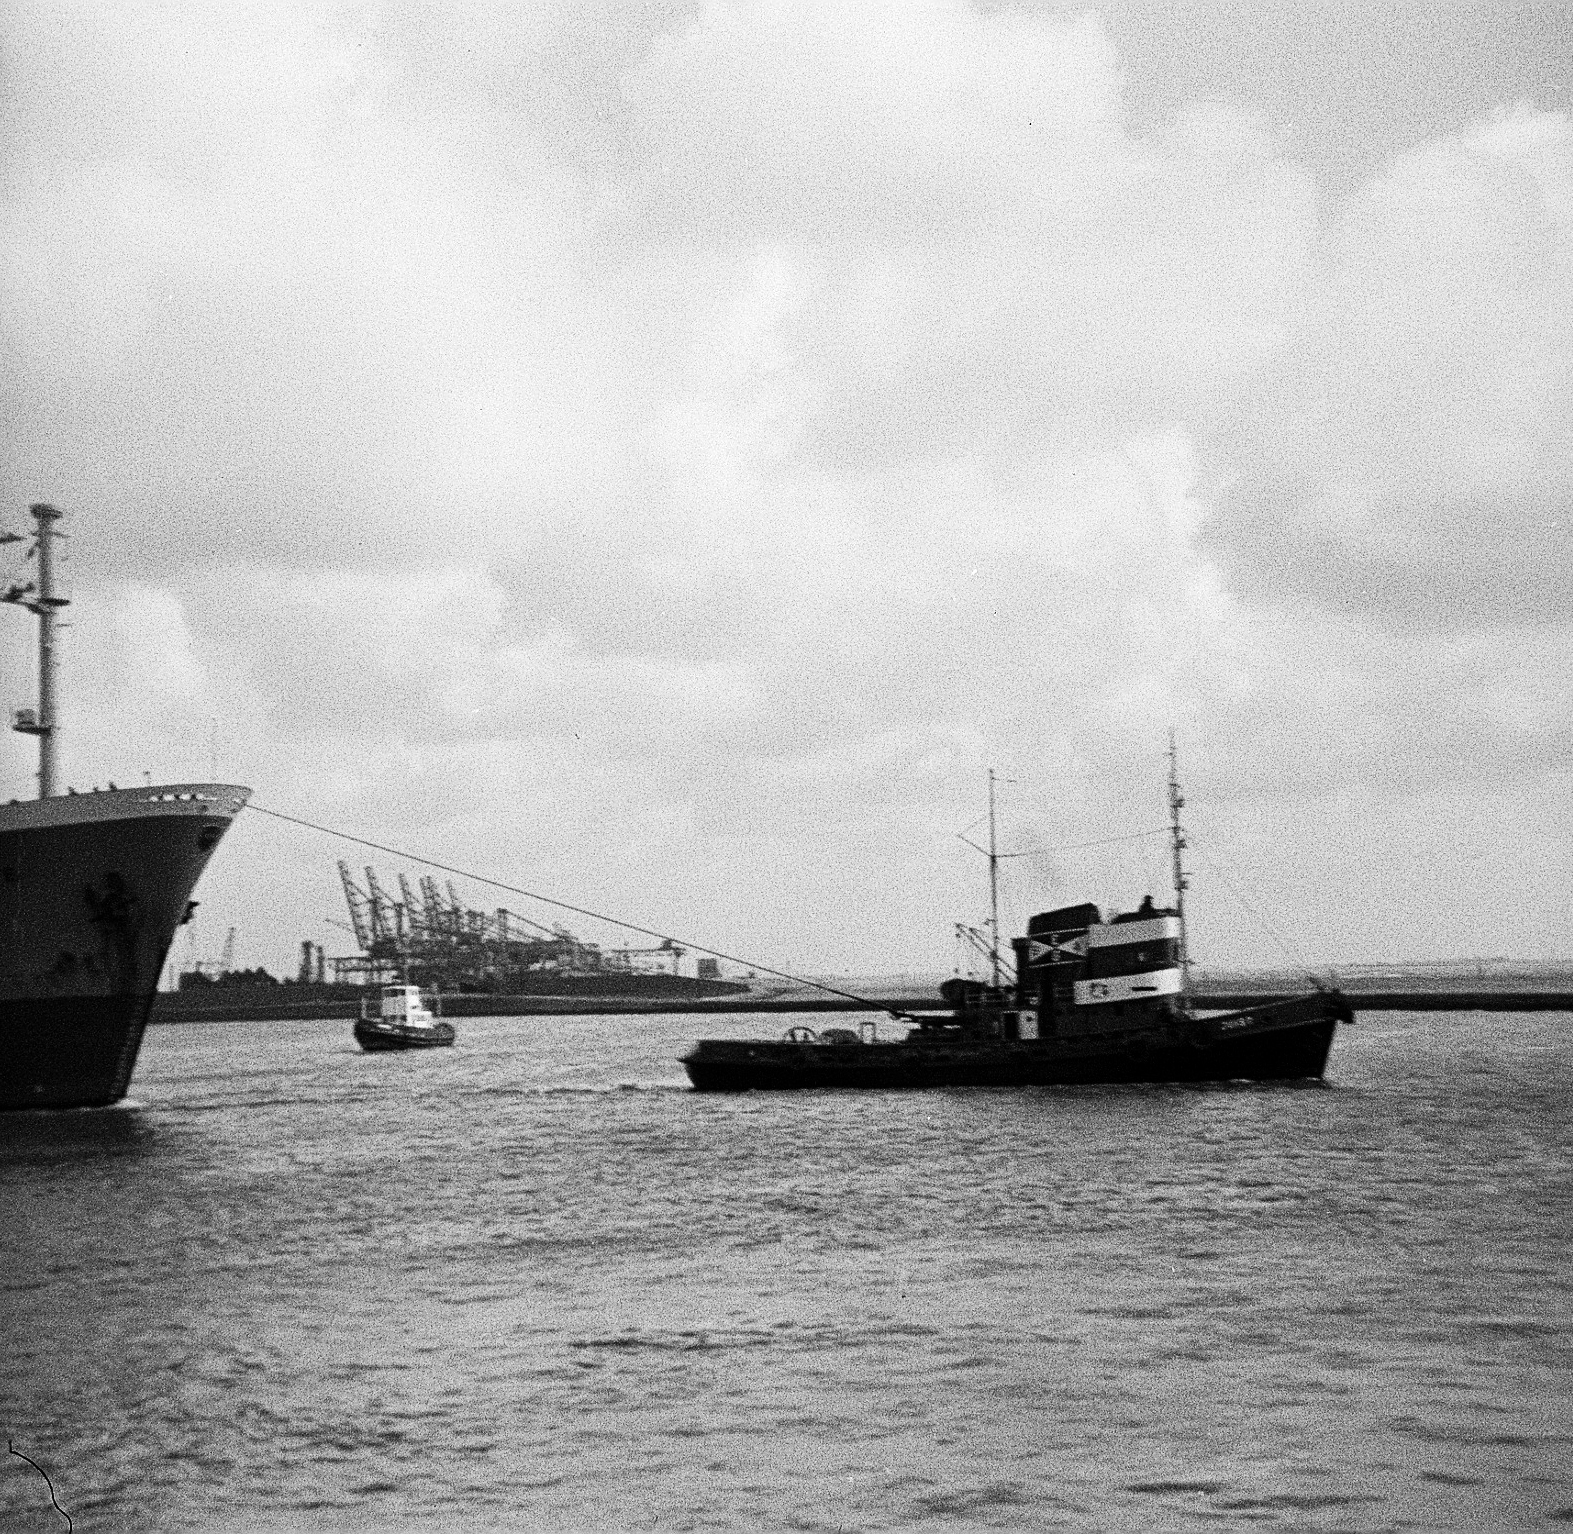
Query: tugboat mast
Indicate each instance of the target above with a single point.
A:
(41, 599)
(1181, 883)
(994, 892)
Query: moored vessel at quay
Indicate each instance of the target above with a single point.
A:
(92, 889)
(1093, 1001)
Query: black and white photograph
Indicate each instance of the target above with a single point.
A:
(786, 765)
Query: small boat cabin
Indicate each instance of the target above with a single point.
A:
(402, 1004)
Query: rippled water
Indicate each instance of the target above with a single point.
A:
(533, 1281)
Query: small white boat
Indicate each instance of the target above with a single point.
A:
(402, 1021)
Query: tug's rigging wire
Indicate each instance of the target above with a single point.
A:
(1296, 958)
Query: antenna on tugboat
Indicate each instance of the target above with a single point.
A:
(994, 892)
(1181, 883)
(995, 856)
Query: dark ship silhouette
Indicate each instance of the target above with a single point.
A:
(1093, 1001)
(401, 1020)
(92, 888)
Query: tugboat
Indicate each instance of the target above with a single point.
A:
(1093, 1001)
(403, 1021)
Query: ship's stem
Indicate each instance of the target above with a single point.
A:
(1177, 843)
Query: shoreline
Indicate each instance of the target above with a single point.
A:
(1475, 999)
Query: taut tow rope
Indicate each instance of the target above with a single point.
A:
(578, 910)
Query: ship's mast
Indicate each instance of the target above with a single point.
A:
(1181, 883)
(41, 599)
(994, 891)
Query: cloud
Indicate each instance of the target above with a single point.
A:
(1415, 463)
(983, 253)
(899, 122)
(677, 450)
(279, 317)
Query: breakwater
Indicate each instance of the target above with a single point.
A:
(557, 994)
(1410, 1001)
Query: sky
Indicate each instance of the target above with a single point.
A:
(663, 456)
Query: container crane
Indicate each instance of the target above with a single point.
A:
(360, 912)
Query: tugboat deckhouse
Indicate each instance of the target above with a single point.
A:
(1131, 959)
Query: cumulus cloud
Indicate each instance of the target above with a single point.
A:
(260, 310)
(674, 451)
(1416, 461)
(983, 253)
(895, 121)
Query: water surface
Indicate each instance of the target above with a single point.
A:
(533, 1281)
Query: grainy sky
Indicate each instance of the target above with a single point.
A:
(662, 455)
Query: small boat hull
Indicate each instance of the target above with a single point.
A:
(377, 1036)
(1286, 1042)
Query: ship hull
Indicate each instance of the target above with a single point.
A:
(375, 1037)
(68, 1051)
(1284, 1050)
(92, 889)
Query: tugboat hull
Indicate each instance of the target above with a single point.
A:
(1285, 1043)
(374, 1038)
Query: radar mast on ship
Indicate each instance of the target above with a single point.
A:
(40, 597)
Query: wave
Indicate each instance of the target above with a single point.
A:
(783, 1334)
(581, 1089)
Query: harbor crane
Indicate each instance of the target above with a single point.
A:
(431, 937)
